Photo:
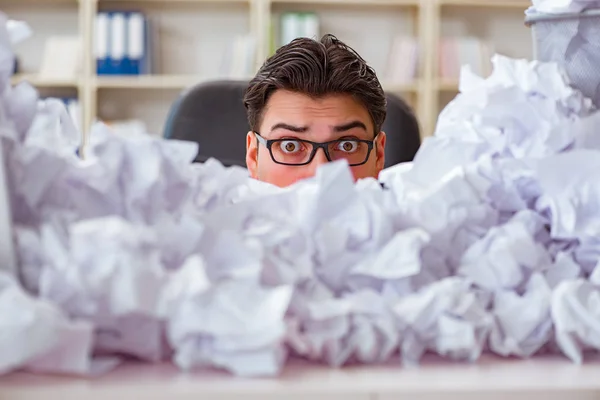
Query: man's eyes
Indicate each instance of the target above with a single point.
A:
(341, 139)
(291, 146)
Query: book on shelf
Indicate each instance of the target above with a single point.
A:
(294, 25)
(123, 43)
(455, 52)
(239, 59)
(403, 60)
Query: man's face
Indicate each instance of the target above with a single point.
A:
(294, 116)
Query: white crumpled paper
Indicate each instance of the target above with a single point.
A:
(486, 242)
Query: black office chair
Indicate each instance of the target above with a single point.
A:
(213, 115)
(403, 135)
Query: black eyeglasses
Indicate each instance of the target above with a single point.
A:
(301, 152)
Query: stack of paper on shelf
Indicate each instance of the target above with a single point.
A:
(403, 60)
(454, 52)
(123, 43)
(61, 58)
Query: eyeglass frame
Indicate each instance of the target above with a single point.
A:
(268, 143)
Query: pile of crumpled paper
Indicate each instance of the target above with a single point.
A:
(488, 242)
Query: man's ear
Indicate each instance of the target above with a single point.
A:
(252, 154)
(380, 151)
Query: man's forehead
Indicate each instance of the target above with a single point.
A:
(289, 100)
(304, 113)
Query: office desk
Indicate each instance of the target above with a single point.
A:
(491, 378)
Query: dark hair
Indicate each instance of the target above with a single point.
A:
(316, 68)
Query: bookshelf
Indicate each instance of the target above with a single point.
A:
(193, 33)
(497, 23)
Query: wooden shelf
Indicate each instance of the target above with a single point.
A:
(400, 87)
(366, 3)
(149, 81)
(145, 82)
(447, 85)
(524, 4)
(39, 81)
(341, 2)
(29, 3)
(169, 2)
(183, 81)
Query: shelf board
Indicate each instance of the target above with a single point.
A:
(185, 81)
(29, 3)
(400, 87)
(447, 85)
(149, 81)
(521, 4)
(145, 82)
(40, 81)
(170, 2)
(406, 3)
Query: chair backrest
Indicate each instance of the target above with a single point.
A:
(403, 136)
(213, 115)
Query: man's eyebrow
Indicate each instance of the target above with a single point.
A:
(350, 125)
(301, 129)
(288, 127)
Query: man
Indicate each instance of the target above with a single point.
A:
(310, 103)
